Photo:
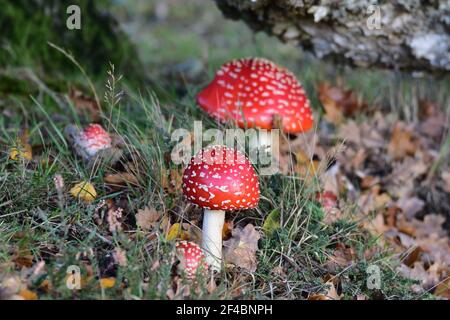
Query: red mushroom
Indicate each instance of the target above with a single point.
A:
(251, 91)
(88, 142)
(192, 259)
(218, 179)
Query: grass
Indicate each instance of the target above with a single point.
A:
(33, 221)
(36, 224)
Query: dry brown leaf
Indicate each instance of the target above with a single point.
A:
(443, 289)
(401, 143)
(446, 177)
(147, 218)
(84, 103)
(305, 166)
(350, 132)
(338, 102)
(121, 179)
(227, 229)
(412, 256)
(376, 226)
(240, 249)
(171, 180)
(410, 206)
(332, 292)
(23, 258)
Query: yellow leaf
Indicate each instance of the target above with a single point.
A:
(23, 152)
(84, 191)
(176, 232)
(107, 283)
(28, 295)
(272, 222)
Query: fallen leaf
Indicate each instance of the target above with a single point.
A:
(272, 222)
(338, 102)
(412, 256)
(446, 177)
(23, 258)
(410, 206)
(23, 148)
(331, 293)
(305, 166)
(443, 289)
(107, 283)
(171, 180)
(147, 218)
(121, 179)
(226, 230)
(342, 257)
(84, 190)
(240, 249)
(28, 294)
(176, 232)
(84, 103)
(22, 152)
(401, 143)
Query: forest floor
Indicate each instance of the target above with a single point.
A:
(360, 210)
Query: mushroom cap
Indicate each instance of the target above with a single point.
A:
(93, 139)
(191, 258)
(251, 91)
(221, 178)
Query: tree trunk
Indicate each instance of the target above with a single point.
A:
(398, 34)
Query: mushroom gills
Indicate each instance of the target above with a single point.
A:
(213, 221)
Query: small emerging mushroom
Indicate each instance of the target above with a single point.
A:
(252, 91)
(89, 141)
(219, 178)
(192, 259)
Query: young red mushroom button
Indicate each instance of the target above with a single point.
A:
(251, 91)
(89, 141)
(191, 259)
(218, 179)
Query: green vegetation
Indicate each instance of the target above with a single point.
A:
(175, 57)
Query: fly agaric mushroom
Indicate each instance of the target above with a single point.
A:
(219, 178)
(90, 141)
(251, 91)
(191, 259)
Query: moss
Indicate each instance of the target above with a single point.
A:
(27, 27)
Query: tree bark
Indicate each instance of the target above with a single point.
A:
(397, 34)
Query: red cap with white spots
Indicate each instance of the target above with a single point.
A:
(93, 139)
(191, 258)
(251, 91)
(221, 178)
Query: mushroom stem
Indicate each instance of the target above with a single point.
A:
(212, 237)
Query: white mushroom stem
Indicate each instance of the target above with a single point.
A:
(212, 237)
